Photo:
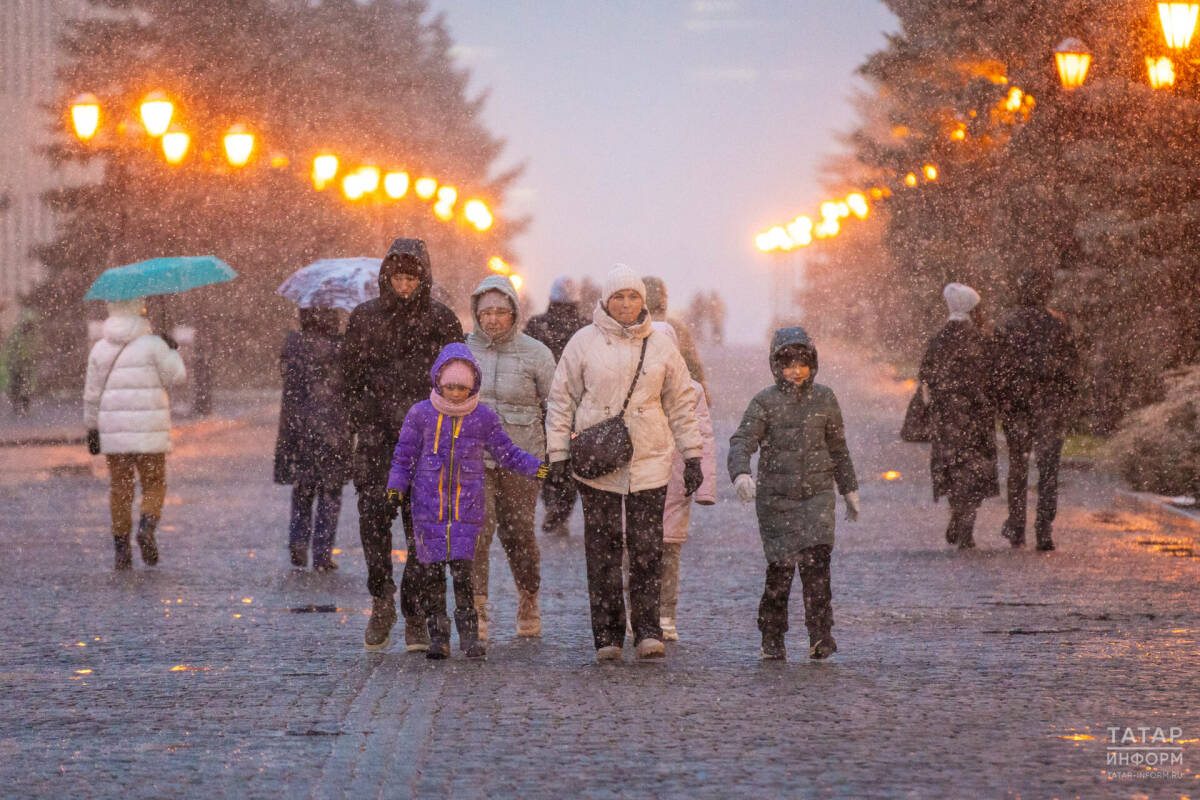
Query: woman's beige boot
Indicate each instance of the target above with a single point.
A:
(529, 618)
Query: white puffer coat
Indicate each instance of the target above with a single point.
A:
(131, 410)
(590, 384)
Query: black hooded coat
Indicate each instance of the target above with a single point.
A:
(390, 346)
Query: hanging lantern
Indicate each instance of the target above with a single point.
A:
(396, 184)
(85, 116)
(1073, 60)
(1161, 72)
(156, 111)
(325, 167)
(239, 144)
(1178, 23)
(175, 145)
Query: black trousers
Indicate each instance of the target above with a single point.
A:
(375, 530)
(558, 497)
(434, 600)
(813, 566)
(963, 510)
(641, 516)
(1047, 452)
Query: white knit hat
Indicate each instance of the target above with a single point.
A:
(622, 277)
(960, 299)
(127, 308)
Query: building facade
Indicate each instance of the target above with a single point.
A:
(29, 32)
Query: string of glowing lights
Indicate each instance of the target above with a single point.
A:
(1072, 59)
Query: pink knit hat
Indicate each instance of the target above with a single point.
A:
(457, 372)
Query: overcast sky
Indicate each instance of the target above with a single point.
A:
(665, 133)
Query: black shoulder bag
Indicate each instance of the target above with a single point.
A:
(606, 446)
(93, 434)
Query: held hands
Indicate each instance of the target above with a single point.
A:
(394, 498)
(693, 476)
(543, 471)
(559, 471)
(851, 499)
(745, 487)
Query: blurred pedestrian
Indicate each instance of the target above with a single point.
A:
(439, 465)
(677, 513)
(616, 369)
(517, 372)
(128, 417)
(956, 378)
(391, 343)
(554, 329)
(798, 425)
(1038, 373)
(20, 359)
(313, 448)
(656, 304)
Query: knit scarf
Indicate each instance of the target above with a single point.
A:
(444, 406)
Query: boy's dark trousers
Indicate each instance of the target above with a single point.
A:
(375, 530)
(813, 565)
(1047, 451)
(602, 543)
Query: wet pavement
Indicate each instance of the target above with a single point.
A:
(223, 673)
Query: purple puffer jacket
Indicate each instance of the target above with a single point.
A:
(439, 462)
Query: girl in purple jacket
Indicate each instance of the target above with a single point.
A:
(439, 460)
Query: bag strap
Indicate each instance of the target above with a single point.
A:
(636, 373)
(112, 364)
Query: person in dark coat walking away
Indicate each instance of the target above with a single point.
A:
(390, 346)
(798, 424)
(956, 382)
(554, 329)
(1037, 381)
(312, 451)
(439, 463)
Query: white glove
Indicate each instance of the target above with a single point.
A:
(745, 487)
(851, 499)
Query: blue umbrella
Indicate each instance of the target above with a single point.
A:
(167, 275)
(333, 283)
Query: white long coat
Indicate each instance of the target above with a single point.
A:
(131, 410)
(590, 384)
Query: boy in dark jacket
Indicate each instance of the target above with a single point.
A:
(798, 425)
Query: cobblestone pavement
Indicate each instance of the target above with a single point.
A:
(221, 673)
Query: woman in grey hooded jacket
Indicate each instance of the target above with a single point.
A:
(517, 371)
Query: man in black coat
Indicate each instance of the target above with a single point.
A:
(1037, 380)
(390, 346)
(554, 329)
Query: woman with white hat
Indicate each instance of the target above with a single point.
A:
(956, 381)
(128, 416)
(618, 368)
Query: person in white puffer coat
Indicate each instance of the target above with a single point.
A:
(590, 385)
(125, 398)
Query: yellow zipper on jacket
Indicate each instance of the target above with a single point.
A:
(456, 428)
(441, 472)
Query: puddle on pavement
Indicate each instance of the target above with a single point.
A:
(1167, 547)
(318, 609)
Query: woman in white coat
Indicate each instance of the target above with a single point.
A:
(125, 398)
(590, 385)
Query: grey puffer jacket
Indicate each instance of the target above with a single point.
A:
(517, 373)
(804, 454)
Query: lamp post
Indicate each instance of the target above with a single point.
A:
(1073, 58)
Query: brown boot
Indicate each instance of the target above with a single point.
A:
(379, 626)
(481, 608)
(529, 618)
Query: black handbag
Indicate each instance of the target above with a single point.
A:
(916, 427)
(606, 446)
(93, 434)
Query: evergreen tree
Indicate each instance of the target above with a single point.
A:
(371, 81)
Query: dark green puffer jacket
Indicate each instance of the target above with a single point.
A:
(804, 453)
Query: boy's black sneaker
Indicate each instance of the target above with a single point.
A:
(773, 648)
(824, 648)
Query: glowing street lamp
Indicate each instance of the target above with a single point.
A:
(1162, 72)
(395, 184)
(517, 281)
(1015, 99)
(325, 167)
(1073, 60)
(352, 186)
(425, 187)
(1178, 23)
(858, 205)
(156, 111)
(476, 212)
(368, 178)
(239, 144)
(497, 264)
(85, 116)
(175, 144)
(910, 179)
(444, 211)
(930, 172)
